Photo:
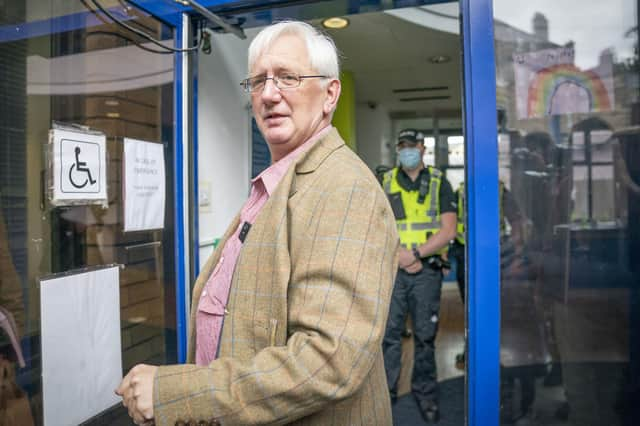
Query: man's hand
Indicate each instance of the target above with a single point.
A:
(406, 258)
(414, 268)
(136, 390)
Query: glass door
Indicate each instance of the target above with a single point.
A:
(569, 93)
(67, 63)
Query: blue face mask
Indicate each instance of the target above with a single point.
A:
(409, 158)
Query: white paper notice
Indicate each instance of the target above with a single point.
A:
(143, 185)
(79, 164)
(81, 352)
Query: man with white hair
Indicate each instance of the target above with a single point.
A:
(288, 314)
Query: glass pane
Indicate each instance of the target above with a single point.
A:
(579, 195)
(429, 157)
(456, 150)
(577, 146)
(455, 177)
(101, 77)
(603, 193)
(568, 89)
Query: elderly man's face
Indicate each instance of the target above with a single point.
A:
(287, 118)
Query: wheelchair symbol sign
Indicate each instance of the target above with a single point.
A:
(80, 167)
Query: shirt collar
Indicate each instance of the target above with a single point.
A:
(272, 175)
(412, 185)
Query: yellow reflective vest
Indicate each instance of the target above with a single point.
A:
(422, 219)
(460, 237)
(460, 230)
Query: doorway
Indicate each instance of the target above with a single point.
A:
(401, 68)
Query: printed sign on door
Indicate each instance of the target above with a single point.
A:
(79, 167)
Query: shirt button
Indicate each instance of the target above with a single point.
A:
(204, 293)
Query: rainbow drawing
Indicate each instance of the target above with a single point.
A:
(550, 81)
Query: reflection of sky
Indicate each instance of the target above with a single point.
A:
(593, 25)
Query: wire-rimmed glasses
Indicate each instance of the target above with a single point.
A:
(283, 81)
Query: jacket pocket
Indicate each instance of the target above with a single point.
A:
(265, 333)
(254, 334)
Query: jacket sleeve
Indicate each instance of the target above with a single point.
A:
(343, 263)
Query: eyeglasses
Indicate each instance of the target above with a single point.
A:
(282, 82)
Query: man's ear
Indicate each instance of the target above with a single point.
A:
(333, 94)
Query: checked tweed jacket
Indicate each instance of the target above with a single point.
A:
(308, 304)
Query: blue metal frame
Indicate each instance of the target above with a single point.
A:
(168, 11)
(262, 11)
(483, 250)
(194, 173)
(179, 201)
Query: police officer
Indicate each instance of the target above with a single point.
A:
(456, 252)
(425, 209)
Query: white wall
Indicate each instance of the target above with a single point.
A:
(223, 137)
(373, 130)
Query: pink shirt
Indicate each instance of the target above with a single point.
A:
(213, 300)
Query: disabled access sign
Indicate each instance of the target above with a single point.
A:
(79, 164)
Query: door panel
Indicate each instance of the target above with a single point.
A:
(569, 97)
(99, 76)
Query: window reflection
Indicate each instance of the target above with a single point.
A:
(568, 151)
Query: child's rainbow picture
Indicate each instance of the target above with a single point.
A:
(548, 83)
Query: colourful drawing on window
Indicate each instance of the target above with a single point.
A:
(548, 83)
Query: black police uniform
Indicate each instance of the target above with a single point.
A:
(419, 296)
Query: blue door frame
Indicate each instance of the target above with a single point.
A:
(483, 307)
(182, 110)
(483, 251)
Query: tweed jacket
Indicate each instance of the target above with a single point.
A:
(301, 343)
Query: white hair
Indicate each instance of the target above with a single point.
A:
(321, 49)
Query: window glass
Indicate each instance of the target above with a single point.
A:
(102, 77)
(60, 12)
(568, 94)
(429, 157)
(456, 150)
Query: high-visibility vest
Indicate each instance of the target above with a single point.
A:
(460, 228)
(422, 219)
(460, 237)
